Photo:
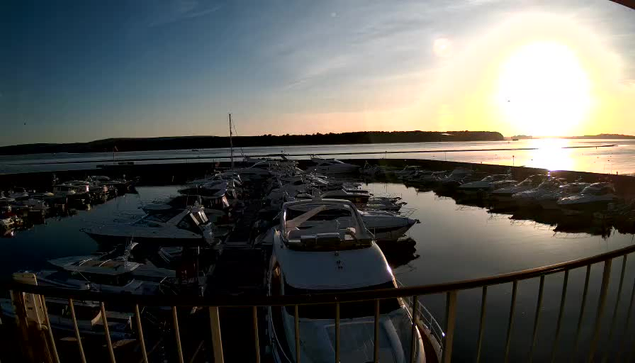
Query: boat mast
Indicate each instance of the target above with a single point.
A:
(231, 144)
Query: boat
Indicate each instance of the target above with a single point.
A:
(329, 236)
(505, 194)
(88, 315)
(593, 198)
(487, 184)
(170, 227)
(104, 275)
(332, 166)
(529, 198)
(357, 196)
(213, 194)
(387, 226)
(454, 179)
(549, 201)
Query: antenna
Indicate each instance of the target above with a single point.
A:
(231, 143)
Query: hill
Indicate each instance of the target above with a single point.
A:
(205, 142)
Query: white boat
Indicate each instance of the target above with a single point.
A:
(549, 201)
(88, 315)
(529, 198)
(386, 226)
(329, 236)
(487, 184)
(357, 196)
(332, 166)
(104, 275)
(169, 227)
(505, 194)
(595, 197)
(455, 178)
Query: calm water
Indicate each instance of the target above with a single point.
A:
(453, 242)
(550, 155)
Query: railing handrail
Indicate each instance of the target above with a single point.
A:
(318, 298)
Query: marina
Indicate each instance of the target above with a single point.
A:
(408, 210)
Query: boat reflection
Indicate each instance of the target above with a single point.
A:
(399, 253)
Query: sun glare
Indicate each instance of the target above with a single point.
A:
(544, 90)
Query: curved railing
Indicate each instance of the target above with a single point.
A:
(413, 293)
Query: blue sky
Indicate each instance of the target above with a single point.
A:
(85, 70)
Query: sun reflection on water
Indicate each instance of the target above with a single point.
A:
(551, 155)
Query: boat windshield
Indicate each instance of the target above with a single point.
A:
(351, 310)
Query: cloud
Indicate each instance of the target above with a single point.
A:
(178, 10)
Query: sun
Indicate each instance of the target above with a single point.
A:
(544, 90)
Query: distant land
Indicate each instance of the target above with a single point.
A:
(208, 142)
(603, 136)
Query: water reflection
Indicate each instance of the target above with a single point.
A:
(551, 155)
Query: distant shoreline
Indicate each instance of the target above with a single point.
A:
(216, 142)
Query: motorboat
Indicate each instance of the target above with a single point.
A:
(357, 196)
(505, 194)
(332, 166)
(529, 198)
(116, 275)
(391, 204)
(454, 179)
(329, 236)
(168, 227)
(88, 315)
(487, 184)
(549, 201)
(387, 226)
(213, 194)
(596, 196)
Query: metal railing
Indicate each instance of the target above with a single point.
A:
(412, 293)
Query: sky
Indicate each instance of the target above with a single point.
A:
(74, 71)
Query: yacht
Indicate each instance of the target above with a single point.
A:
(596, 196)
(332, 166)
(104, 275)
(529, 198)
(329, 236)
(487, 184)
(455, 178)
(165, 227)
(88, 315)
(387, 226)
(549, 201)
(213, 194)
(505, 194)
(357, 196)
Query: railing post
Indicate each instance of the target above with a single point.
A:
(337, 332)
(626, 325)
(563, 298)
(481, 328)
(376, 335)
(582, 308)
(177, 334)
(50, 330)
(256, 336)
(217, 342)
(510, 323)
(413, 331)
(450, 318)
(617, 303)
(104, 319)
(142, 341)
(537, 318)
(296, 323)
(606, 275)
(77, 335)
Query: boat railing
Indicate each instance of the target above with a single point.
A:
(430, 327)
(615, 318)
